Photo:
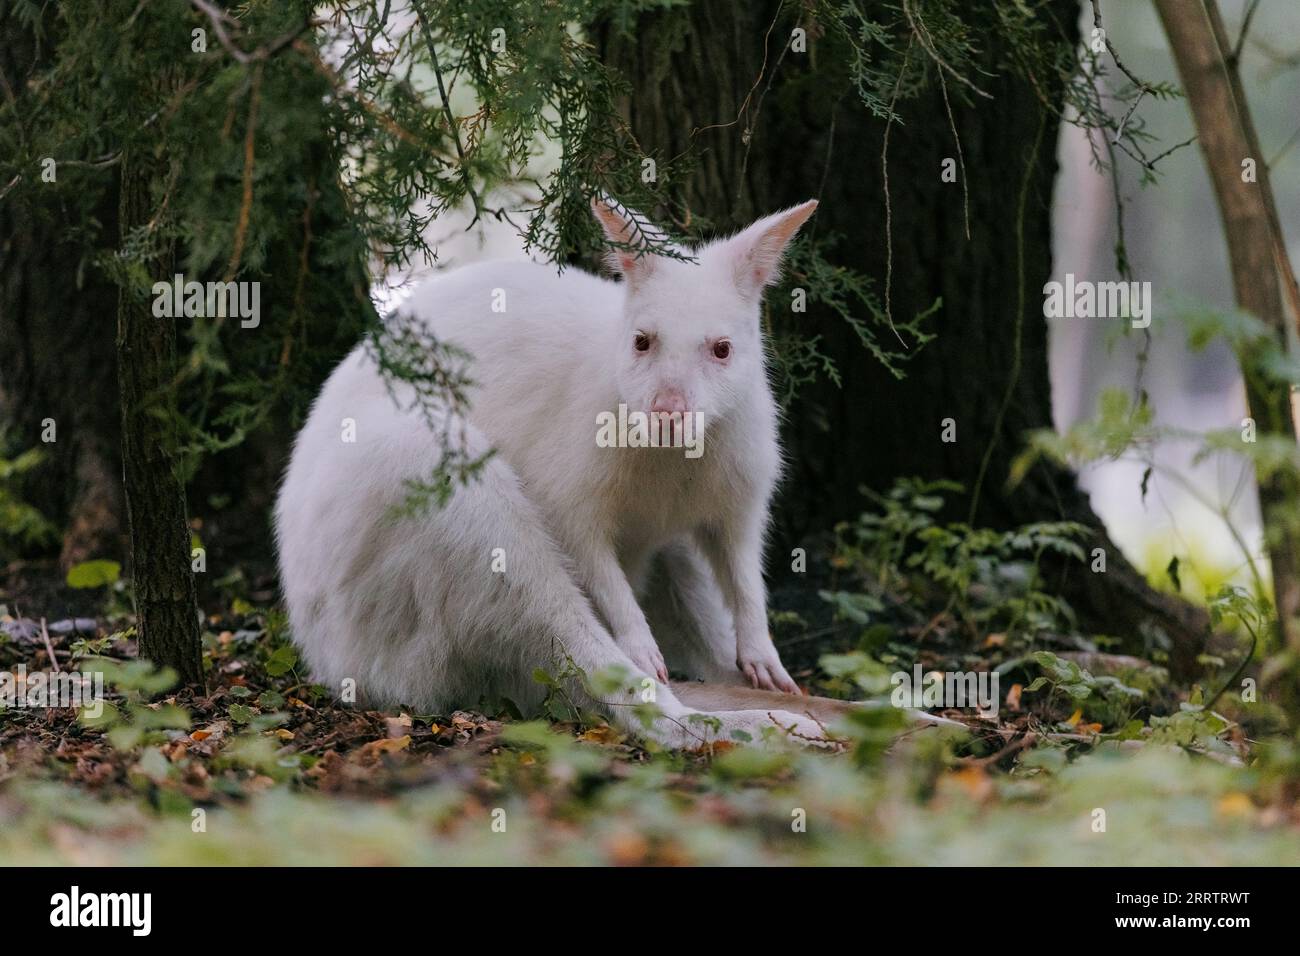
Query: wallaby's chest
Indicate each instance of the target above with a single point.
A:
(659, 495)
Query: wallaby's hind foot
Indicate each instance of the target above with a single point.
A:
(770, 727)
(825, 711)
(728, 697)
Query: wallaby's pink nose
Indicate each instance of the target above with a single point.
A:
(668, 400)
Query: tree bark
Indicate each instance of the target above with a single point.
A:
(712, 77)
(1201, 49)
(56, 362)
(57, 351)
(166, 603)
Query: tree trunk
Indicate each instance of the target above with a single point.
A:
(57, 351)
(691, 70)
(1225, 132)
(167, 615)
(56, 362)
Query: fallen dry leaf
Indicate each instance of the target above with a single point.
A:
(1235, 805)
(974, 781)
(389, 746)
(716, 748)
(604, 734)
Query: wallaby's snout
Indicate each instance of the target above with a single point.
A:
(669, 400)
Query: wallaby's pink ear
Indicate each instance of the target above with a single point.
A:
(631, 232)
(756, 252)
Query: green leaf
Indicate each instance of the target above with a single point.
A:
(270, 700)
(107, 717)
(94, 574)
(1131, 731)
(558, 710)
(163, 716)
(282, 661)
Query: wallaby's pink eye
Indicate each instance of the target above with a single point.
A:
(722, 350)
(641, 342)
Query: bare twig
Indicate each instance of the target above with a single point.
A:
(220, 19)
(1020, 743)
(1286, 148)
(1235, 57)
(49, 646)
(889, 211)
(961, 159)
(102, 162)
(451, 120)
(762, 71)
(748, 136)
(246, 202)
(791, 732)
(1142, 86)
(922, 34)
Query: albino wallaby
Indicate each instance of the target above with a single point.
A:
(561, 549)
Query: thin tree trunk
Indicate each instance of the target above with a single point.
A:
(165, 599)
(1201, 50)
(56, 358)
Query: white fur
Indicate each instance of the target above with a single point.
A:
(411, 608)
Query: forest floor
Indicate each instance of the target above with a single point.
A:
(1105, 763)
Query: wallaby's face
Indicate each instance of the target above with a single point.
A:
(690, 339)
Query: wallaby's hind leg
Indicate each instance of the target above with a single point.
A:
(686, 613)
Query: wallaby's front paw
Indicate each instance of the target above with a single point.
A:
(645, 655)
(762, 668)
